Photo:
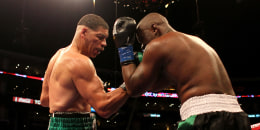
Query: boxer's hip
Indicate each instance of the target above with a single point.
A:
(220, 120)
(209, 103)
(72, 120)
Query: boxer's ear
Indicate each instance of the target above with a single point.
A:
(155, 28)
(83, 31)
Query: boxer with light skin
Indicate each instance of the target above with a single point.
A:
(186, 63)
(71, 85)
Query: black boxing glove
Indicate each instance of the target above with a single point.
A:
(124, 38)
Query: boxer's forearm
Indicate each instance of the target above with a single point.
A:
(132, 82)
(127, 72)
(113, 102)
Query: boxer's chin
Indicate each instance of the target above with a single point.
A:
(95, 54)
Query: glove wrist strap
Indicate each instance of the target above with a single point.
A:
(123, 86)
(126, 54)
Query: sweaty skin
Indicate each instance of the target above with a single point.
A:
(71, 82)
(175, 59)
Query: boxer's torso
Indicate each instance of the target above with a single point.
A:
(193, 67)
(63, 94)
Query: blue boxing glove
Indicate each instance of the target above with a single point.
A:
(124, 38)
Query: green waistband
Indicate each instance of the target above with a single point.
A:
(59, 123)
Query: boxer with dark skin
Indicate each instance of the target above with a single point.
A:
(186, 63)
(71, 83)
(175, 59)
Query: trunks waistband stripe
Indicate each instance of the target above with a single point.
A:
(209, 103)
(71, 114)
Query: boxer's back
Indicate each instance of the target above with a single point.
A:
(62, 91)
(194, 67)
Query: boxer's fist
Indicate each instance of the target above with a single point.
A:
(124, 31)
(124, 37)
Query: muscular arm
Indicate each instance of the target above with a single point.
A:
(147, 75)
(159, 85)
(91, 89)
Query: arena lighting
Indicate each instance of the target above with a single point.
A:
(144, 5)
(174, 95)
(22, 75)
(155, 115)
(26, 100)
(160, 94)
(33, 101)
(94, 3)
(254, 115)
(146, 94)
(255, 126)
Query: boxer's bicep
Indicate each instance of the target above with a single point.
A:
(147, 72)
(88, 84)
(160, 84)
(92, 90)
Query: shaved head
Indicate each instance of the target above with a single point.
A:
(151, 26)
(93, 21)
(150, 19)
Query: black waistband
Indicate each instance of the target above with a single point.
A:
(71, 114)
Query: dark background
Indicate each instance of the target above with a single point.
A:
(32, 30)
(39, 28)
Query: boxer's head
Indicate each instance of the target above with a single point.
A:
(150, 27)
(92, 31)
(93, 22)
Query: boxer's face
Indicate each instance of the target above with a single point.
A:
(96, 41)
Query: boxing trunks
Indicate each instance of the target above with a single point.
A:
(72, 121)
(213, 112)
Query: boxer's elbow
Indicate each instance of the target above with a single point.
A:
(44, 102)
(104, 114)
(136, 89)
(105, 111)
(133, 94)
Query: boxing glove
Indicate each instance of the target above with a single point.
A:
(124, 38)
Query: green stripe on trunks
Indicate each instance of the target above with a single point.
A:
(60, 123)
(187, 124)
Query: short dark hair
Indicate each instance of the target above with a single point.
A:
(93, 21)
